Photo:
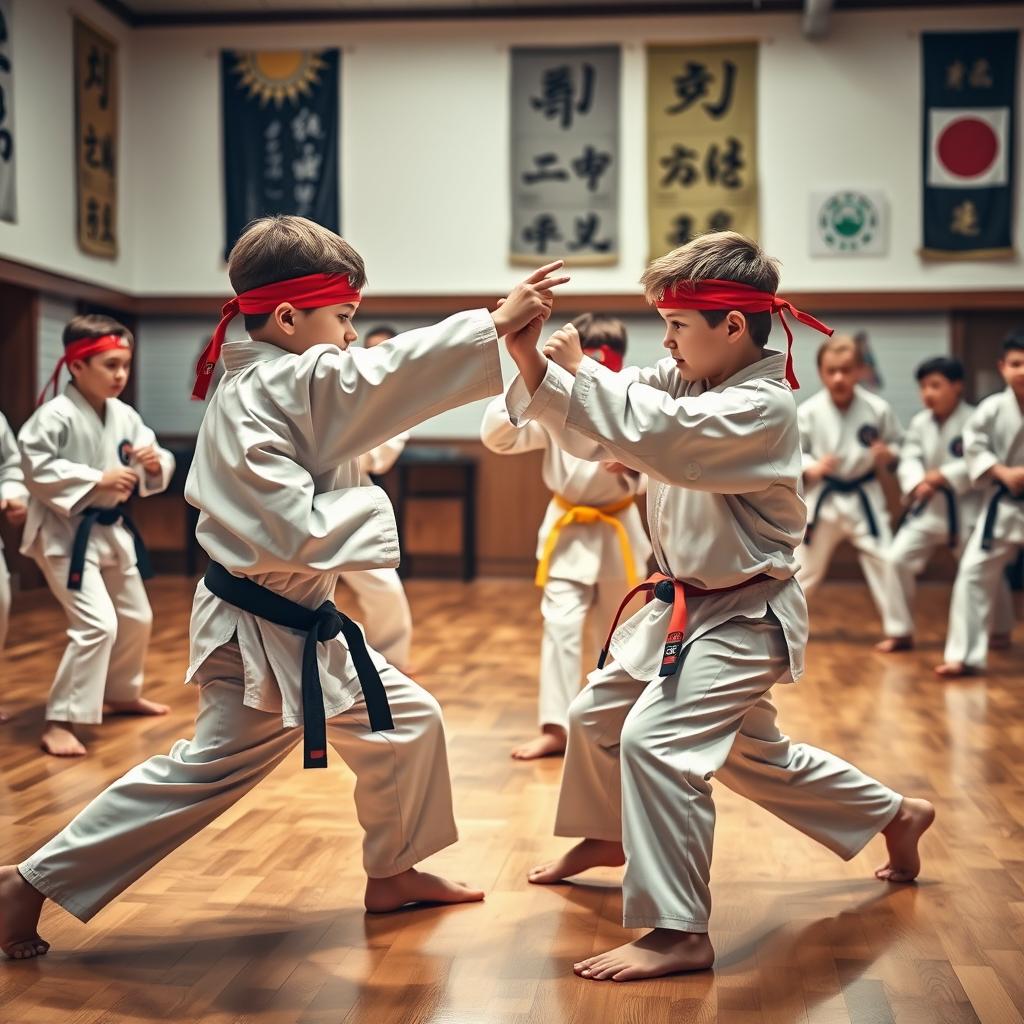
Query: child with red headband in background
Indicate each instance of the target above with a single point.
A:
(591, 547)
(282, 511)
(688, 695)
(84, 454)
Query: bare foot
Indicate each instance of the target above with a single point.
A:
(412, 886)
(60, 741)
(1000, 642)
(20, 906)
(586, 854)
(659, 952)
(4, 717)
(135, 707)
(892, 644)
(548, 744)
(955, 669)
(902, 835)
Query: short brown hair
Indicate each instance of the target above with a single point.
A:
(840, 344)
(94, 325)
(281, 247)
(717, 256)
(596, 330)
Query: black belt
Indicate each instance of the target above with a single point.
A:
(319, 624)
(989, 529)
(105, 517)
(833, 485)
(952, 516)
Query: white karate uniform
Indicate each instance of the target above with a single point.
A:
(65, 450)
(385, 615)
(930, 445)
(723, 507)
(587, 571)
(993, 435)
(12, 488)
(827, 430)
(277, 483)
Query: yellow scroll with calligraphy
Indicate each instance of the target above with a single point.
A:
(701, 142)
(96, 140)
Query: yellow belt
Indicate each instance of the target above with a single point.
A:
(588, 514)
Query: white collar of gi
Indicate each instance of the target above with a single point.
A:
(77, 398)
(771, 366)
(237, 355)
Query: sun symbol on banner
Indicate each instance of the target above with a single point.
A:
(278, 75)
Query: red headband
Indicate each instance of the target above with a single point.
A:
(732, 295)
(606, 356)
(82, 349)
(309, 292)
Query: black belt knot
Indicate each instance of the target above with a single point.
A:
(836, 485)
(104, 517)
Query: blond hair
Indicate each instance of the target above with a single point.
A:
(717, 256)
(282, 247)
(840, 344)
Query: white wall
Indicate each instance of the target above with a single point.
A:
(44, 104)
(425, 135)
(170, 347)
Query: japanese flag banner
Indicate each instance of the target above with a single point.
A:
(280, 136)
(970, 82)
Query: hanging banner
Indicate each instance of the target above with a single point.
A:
(701, 142)
(280, 136)
(96, 140)
(565, 155)
(8, 203)
(970, 110)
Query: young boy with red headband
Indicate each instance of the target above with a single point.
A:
(84, 454)
(688, 695)
(282, 511)
(591, 547)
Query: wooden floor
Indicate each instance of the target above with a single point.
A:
(258, 918)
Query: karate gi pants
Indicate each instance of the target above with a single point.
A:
(109, 622)
(642, 754)
(384, 612)
(882, 578)
(565, 607)
(402, 794)
(980, 580)
(911, 549)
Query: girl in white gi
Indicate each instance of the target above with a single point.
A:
(13, 504)
(384, 608)
(282, 511)
(591, 547)
(941, 504)
(84, 453)
(688, 696)
(847, 433)
(994, 452)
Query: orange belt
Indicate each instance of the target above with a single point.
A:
(674, 592)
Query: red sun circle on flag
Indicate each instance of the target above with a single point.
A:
(967, 147)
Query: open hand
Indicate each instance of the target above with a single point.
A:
(529, 300)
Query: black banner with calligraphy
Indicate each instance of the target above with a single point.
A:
(970, 110)
(701, 142)
(96, 134)
(281, 114)
(565, 155)
(8, 204)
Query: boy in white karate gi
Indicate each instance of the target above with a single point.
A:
(688, 695)
(941, 503)
(14, 505)
(384, 609)
(282, 511)
(847, 433)
(994, 452)
(591, 547)
(84, 453)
